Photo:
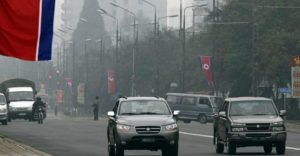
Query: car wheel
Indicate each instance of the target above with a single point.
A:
(219, 146)
(9, 119)
(111, 149)
(171, 150)
(231, 147)
(280, 148)
(4, 122)
(119, 150)
(268, 148)
(187, 121)
(202, 119)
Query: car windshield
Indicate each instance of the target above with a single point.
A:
(144, 107)
(216, 101)
(248, 108)
(21, 96)
(2, 100)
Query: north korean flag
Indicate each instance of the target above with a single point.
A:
(111, 82)
(206, 68)
(26, 29)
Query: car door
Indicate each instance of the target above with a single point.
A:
(222, 121)
(112, 123)
(188, 107)
(204, 106)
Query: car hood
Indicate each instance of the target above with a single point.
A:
(256, 119)
(21, 104)
(142, 120)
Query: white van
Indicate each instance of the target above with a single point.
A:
(20, 101)
(3, 109)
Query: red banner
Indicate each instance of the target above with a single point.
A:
(206, 68)
(110, 82)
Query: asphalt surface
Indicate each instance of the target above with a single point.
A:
(83, 137)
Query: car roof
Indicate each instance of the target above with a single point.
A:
(192, 95)
(247, 99)
(141, 98)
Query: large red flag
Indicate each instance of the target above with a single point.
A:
(26, 29)
(206, 68)
(110, 82)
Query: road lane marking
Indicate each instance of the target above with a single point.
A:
(199, 135)
(209, 136)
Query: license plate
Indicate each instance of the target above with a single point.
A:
(148, 140)
(22, 114)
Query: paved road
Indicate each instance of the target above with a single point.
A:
(88, 138)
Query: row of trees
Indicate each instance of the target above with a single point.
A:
(251, 42)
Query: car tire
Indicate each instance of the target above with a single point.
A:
(231, 147)
(186, 121)
(268, 148)
(171, 150)
(219, 146)
(202, 119)
(119, 150)
(111, 150)
(280, 148)
(4, 122)
(9, 119)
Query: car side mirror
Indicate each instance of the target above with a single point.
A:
(111, 114)
(176, 112)
(222, 114)
(282, 112)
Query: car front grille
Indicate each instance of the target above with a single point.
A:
(258, 135)
(258, 127)
(147, 129)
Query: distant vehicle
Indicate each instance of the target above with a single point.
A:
(3, 110)
(20, 96)
(142, 123)
(194, 107)
(249, 121)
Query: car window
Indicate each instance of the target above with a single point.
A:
(141, 107)
(173, 99)
(204, 102)
(248, 108)
(188, 100)
(2, 100)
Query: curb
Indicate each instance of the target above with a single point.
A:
(9, 147)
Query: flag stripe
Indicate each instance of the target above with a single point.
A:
(46, 32)
(39, 30)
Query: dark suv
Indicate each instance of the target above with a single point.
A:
(249, 121)
(142, 123)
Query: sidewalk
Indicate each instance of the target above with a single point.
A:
(10, 147)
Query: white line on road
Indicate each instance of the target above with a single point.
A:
(209, 136)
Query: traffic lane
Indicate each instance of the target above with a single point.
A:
(206, 130)
(61, 137)
(80, 138)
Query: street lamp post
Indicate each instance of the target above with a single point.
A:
(102, 11)
(183, 44)
(155, 15)
(135, 36)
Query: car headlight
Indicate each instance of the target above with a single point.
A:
(3, 110)
(237, 129)
(123, 128)
(280, 123)
(171, 127)
(281, 128)
(237, 124)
